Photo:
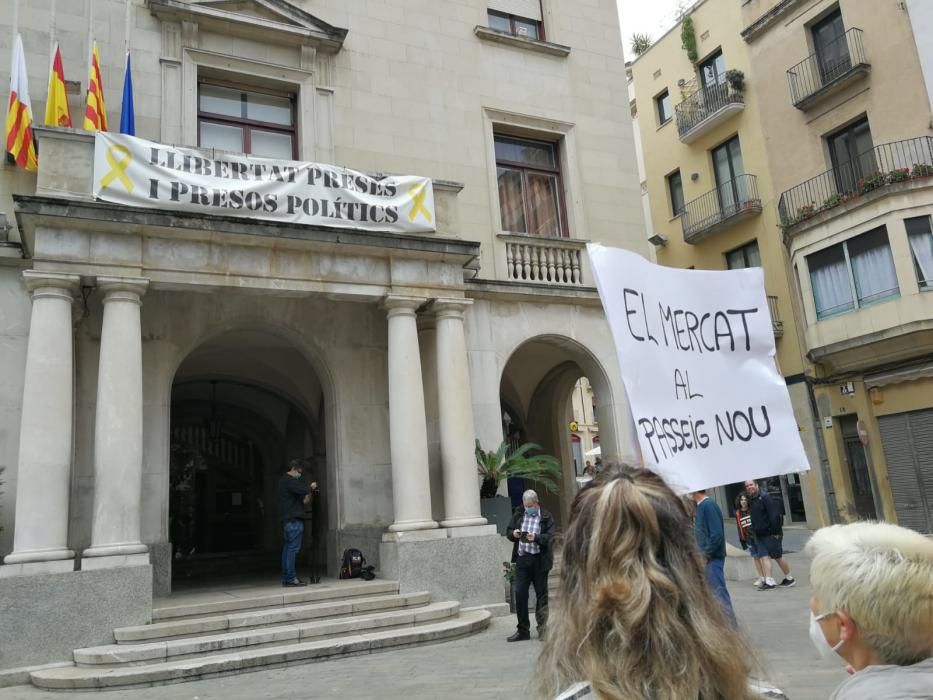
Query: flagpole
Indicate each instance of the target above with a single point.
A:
(52, 29)
(90, 39)
(126, 26)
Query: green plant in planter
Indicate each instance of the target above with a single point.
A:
(831, 201)
(688, 39)
(871, 182)
(736, 80)
(922, 170)
(508, 571)
(496, 466)
(899, 175)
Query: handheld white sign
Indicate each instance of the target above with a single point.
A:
(696, 350)
(136, 172)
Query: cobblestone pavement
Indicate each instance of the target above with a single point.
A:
(485, 667)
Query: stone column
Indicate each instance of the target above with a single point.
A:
(411, 487)
(43, 479)
(455, 413)
(118, 430)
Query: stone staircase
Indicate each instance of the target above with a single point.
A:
(225, 634)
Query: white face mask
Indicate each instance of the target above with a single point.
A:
(827, 653)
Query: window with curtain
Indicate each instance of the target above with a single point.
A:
(530, 190)
(746, 256)
(920, 236)
(873, 267)
(853, 274)
(246, 121)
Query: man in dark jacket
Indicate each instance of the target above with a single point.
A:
(710, 535)
(532, 532)
(292, 497)
(766, 522)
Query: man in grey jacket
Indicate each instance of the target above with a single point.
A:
(872, 609)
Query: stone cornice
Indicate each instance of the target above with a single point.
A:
(763, 23)
(33, 209)
(496, 290)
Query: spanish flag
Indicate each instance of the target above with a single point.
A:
(56, 107)
(95, 114)
(20, 147)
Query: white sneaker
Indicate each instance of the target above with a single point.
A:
(758, 582)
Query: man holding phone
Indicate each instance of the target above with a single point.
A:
(531, 531)
(293, 495)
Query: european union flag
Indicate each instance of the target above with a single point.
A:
(128, 116)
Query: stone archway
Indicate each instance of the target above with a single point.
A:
(243, 403)
(537, 383)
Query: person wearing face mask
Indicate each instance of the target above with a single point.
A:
(872, 609)
(293, 495)
(531, 532)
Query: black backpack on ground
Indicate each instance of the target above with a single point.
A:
(352, 563)
(368, 573)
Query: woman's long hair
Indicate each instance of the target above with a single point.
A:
(634, 615)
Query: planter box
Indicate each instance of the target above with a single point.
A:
(497, 511)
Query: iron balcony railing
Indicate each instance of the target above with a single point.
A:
(883, 165)
(719, 205)
(703, 104)
(829, 64)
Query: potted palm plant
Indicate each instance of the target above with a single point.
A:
(504, 463)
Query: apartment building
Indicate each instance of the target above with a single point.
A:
(711, 196)
(847, 127)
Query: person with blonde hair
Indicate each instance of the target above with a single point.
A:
(634, 617)
(872, 608)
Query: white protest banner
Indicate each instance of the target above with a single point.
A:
(136, 172)
(696, 350)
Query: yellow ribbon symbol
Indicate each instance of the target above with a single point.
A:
(418, 193)
(118, 167)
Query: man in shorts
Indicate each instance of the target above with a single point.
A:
(766, 522)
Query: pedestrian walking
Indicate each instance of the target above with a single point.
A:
(710, 533)
(872, 608)
(631, 620)
(531, 530)
(743, 522)
(766, 523)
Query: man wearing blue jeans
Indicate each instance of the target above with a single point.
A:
(292, 497)
(711, 539)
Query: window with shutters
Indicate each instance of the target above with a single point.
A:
(517, 17)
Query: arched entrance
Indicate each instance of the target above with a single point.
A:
(538, 404)
(243, 404)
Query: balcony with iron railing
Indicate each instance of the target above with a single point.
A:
(828, 70)
(705, 108)
(879, 169)
(728, 204)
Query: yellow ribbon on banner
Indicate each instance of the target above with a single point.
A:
(418, 193)
(118, 167)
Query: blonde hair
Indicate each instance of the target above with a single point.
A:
(634, 616)
(882, 576)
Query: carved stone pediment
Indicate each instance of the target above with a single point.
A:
(271, 20)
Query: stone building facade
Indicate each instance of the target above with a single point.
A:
(159, 367)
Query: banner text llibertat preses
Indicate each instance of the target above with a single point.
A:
(136, 172)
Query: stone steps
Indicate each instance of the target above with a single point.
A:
(193, 626)
(98, 678)
(166, 610)
(210, 634)
(168, 649)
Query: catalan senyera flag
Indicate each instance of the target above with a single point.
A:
(95, 113)
(20, 146)
(56, 107)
